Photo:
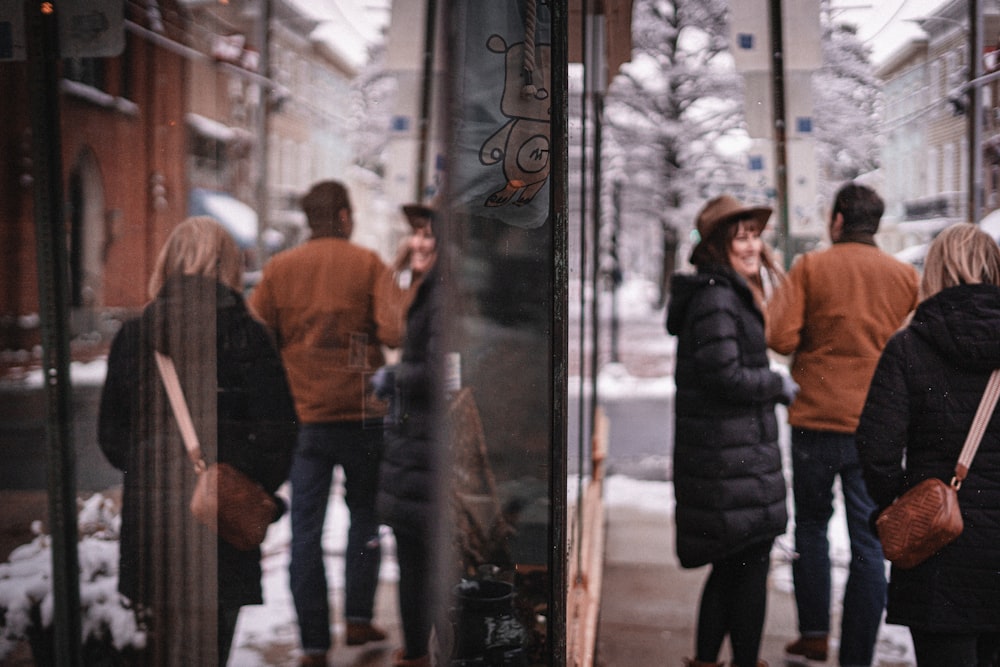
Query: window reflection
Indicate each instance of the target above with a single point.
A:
(233, 110)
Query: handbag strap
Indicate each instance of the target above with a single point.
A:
(983, 414)
(176, 395)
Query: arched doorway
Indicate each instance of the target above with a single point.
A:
(87, 240)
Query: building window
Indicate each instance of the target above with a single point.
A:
(948, 168)
(933, 187)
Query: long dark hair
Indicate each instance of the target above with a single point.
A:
(714, 251)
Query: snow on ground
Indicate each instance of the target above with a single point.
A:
(263, 628)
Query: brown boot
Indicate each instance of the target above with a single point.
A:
(701, 663)
(808, 648)
(362, 633)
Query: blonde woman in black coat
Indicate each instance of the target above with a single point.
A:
(186, 583)
(727, 470)
(920, 404)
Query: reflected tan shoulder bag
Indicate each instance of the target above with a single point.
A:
(927, 517)
(225, 500)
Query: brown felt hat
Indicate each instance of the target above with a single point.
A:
(725, 209)
(416, 214)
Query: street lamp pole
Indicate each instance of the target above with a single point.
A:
(780, 131)
(975, 92)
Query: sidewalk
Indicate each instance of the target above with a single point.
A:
(649, 603)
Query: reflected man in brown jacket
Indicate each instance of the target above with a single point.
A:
(332, 306)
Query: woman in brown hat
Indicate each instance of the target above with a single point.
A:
(727, 473)
(417, 252)
(407, 498)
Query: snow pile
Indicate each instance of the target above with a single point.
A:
(26, 601)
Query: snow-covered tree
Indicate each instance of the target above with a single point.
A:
(372, 92)
(666, 114)
(847, 105)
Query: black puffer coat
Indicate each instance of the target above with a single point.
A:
(241, 405)
(920, 405)
(408, 489)
(728, 477)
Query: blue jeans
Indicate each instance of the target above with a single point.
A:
(321, 447)
(818, 457)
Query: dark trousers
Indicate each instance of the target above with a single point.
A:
(357, 448)
(228, 615)
(734, 602)
(416, 601)
(818, 458)
(937, 649)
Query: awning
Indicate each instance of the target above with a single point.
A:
(213, 129)
(239, 219)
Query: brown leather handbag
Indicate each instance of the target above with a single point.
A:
(927, 517)
(225, 500)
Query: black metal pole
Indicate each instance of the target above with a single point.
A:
(780, 149)
(596, 101)
(558, 216)
(975, 95)
(615, 269)
(426, 95)
(261, 194)
(53, 290)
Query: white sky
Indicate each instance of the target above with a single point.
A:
(884, 24)
(350, 26)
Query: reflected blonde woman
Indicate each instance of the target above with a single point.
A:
(199, 246)
(186, 583)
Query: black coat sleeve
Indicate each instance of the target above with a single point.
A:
(883, 429)
(115, 422)
(257, 421)
(720, 323)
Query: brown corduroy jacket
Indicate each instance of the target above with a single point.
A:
(331, 305)
(834, 313)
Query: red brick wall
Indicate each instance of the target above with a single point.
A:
(129, 147)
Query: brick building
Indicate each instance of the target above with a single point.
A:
(123, 143)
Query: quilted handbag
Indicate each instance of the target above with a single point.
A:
(927, 517)
(225, 500)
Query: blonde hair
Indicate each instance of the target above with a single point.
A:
(962, 254)
(199, 246)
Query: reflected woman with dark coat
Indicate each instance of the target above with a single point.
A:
(187, 584)
(409, 493)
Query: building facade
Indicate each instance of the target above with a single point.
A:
(926, 155)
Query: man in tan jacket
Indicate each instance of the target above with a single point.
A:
(332, 306)
(833, 314)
